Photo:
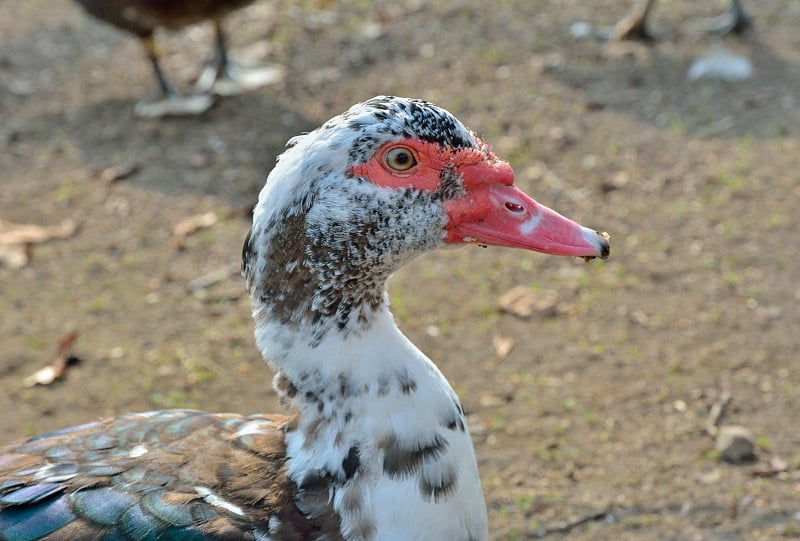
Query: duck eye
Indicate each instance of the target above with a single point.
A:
(400, 159)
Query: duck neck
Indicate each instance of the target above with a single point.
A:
(375, 417)
(365, 356)
(362, 386)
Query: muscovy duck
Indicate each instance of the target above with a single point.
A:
(634, 25)
(376, 444)
(142, 17)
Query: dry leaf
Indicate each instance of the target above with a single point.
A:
(189, 225)
(208, 280)
(11, 233)
(491, 401)
(778, 464)
(118, 172)
(16, 239)
(15, 256)
(522, 302)
(616, 182)
(502, 346)
(58, 367)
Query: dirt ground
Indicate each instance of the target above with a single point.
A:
(592, 426)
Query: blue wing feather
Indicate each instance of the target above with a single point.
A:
(102, 505)
(31, 493)
(34, 521)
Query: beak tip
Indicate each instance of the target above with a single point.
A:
(605, 245)
(601, 242)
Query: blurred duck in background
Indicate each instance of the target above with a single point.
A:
(634, 25)
(221, 75)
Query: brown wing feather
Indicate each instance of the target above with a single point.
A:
(162, 465)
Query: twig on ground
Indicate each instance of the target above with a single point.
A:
(606, 515)
(213, 277)
(717, 411)
(58, 366)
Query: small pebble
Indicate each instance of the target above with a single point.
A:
(580, 30)
(735, 444)
(721, 64)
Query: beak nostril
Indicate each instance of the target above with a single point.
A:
(514, 207)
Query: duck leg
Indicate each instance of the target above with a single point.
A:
(634, 25)
(735, 21)
(225, 77)
(169, 100)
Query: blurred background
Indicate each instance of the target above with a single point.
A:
(600, 396)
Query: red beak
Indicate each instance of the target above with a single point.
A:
(500, 214)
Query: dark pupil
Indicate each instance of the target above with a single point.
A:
(401, 158)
